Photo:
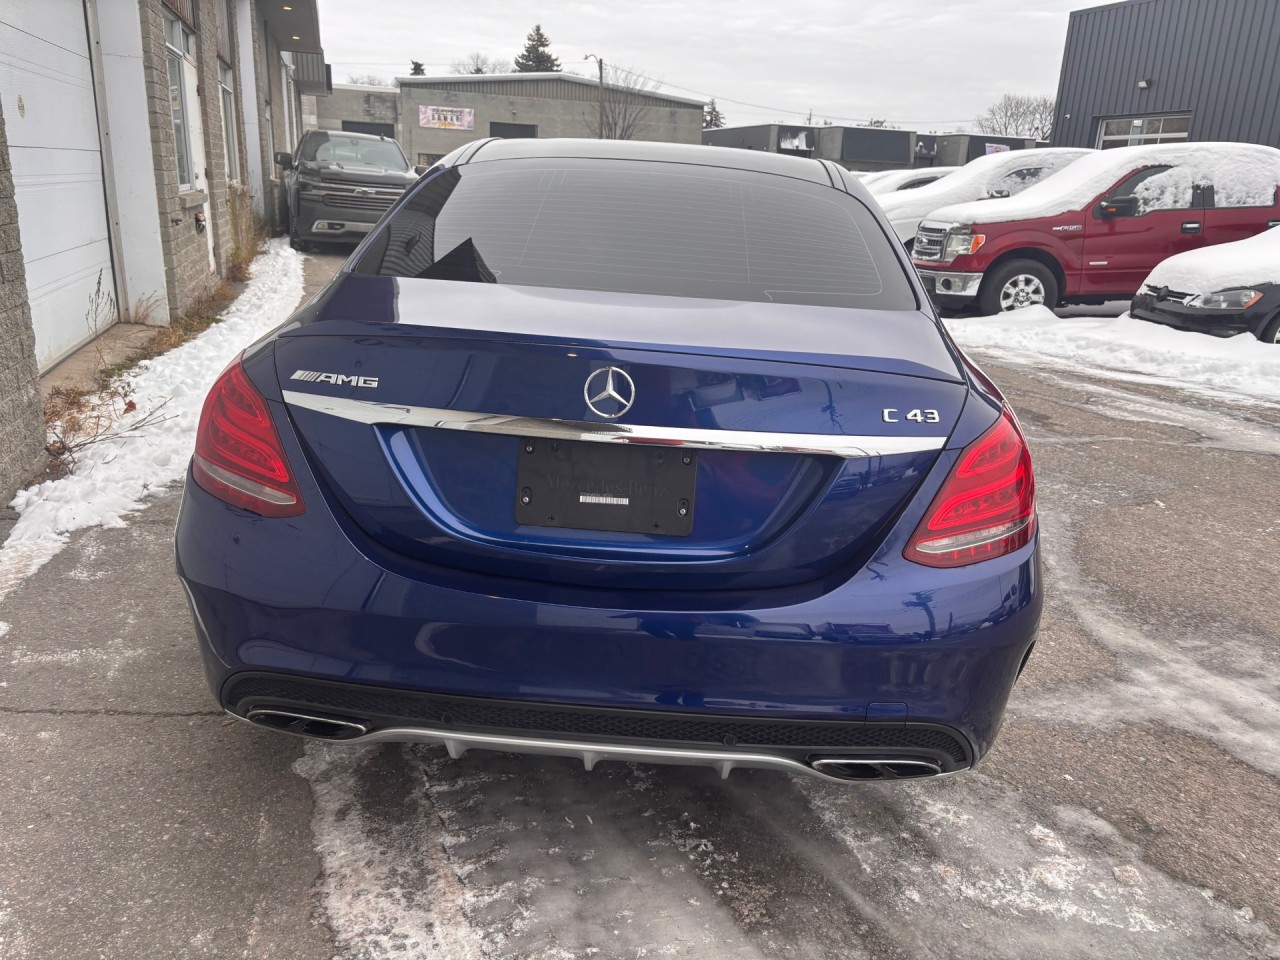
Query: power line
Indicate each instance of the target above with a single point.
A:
(701, 93)
(760, 106)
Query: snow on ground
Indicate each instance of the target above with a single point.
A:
(503, 856)
(112, 479)
(1061, 883)
(387, 886)
(1235, 367)
(1165, 669)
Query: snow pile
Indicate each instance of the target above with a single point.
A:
(972, 182)
(1242, 174)
(1240, 365)
(111, 479)
(1221, 267)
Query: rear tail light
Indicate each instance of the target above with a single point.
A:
(239, 458)
(987, 506)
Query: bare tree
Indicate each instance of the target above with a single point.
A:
(367, 80)
(625, 107)
(1018, 115)
(881, 124)
(477, 62)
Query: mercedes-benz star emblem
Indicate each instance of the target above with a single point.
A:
(609, 392)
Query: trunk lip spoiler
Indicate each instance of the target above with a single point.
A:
(375, 412)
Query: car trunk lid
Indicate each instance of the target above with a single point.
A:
(622, 440)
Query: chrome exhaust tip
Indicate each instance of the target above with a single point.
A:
(876, 768)
(305, 724)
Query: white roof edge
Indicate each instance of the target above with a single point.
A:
(573, 77)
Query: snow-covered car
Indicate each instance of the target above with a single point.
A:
(891, 181)
(1095, 230)
(994, 175)
(1224, 290)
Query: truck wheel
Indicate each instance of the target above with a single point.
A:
(1016, 284)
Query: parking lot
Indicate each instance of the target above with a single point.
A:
(1121, 813)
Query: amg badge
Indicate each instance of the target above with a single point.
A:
(337, 379)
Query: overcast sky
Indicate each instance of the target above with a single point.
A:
(922, 64)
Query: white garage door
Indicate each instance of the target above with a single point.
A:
(52, 126)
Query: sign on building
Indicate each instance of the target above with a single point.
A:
(998, 148)
(447, 118)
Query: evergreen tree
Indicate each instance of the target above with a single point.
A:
(712, 118)
(535, 58)
(416, 69)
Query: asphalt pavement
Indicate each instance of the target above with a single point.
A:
(1128, 809)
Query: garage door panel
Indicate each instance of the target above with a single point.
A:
(56, 87)
(60, 202)
(51, 120)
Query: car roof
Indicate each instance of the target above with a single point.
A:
(556, 148)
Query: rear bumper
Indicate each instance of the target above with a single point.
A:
(894, 647)
(358, 713)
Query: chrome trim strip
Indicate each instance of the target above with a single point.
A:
(372, 411)
(458, 743)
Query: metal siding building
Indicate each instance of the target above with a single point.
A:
(1210, 69)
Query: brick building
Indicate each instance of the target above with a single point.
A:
(139, 147)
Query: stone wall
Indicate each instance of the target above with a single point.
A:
(21, 423)
(188, 274)
(362, 104)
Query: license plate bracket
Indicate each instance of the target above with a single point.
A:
(585, 485)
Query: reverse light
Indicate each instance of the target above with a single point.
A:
(962, 244)
(1241, 299)
(987, 505)
(239, 458)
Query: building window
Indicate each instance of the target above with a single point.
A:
(1136, 131)
(230, 133)
(429, 159)
(179, 43)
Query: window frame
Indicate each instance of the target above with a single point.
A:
(1144, 136)
(230, 131)
(175, 28)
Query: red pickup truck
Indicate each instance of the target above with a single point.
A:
(1093, 231)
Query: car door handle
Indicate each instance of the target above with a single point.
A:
(1191, 226)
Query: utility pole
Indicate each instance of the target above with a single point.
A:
(600, 119)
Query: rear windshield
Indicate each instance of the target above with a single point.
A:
(641, 227)
(335, 148)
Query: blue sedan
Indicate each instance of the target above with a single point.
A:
(619, 451)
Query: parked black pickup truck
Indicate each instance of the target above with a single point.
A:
(339, 184)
